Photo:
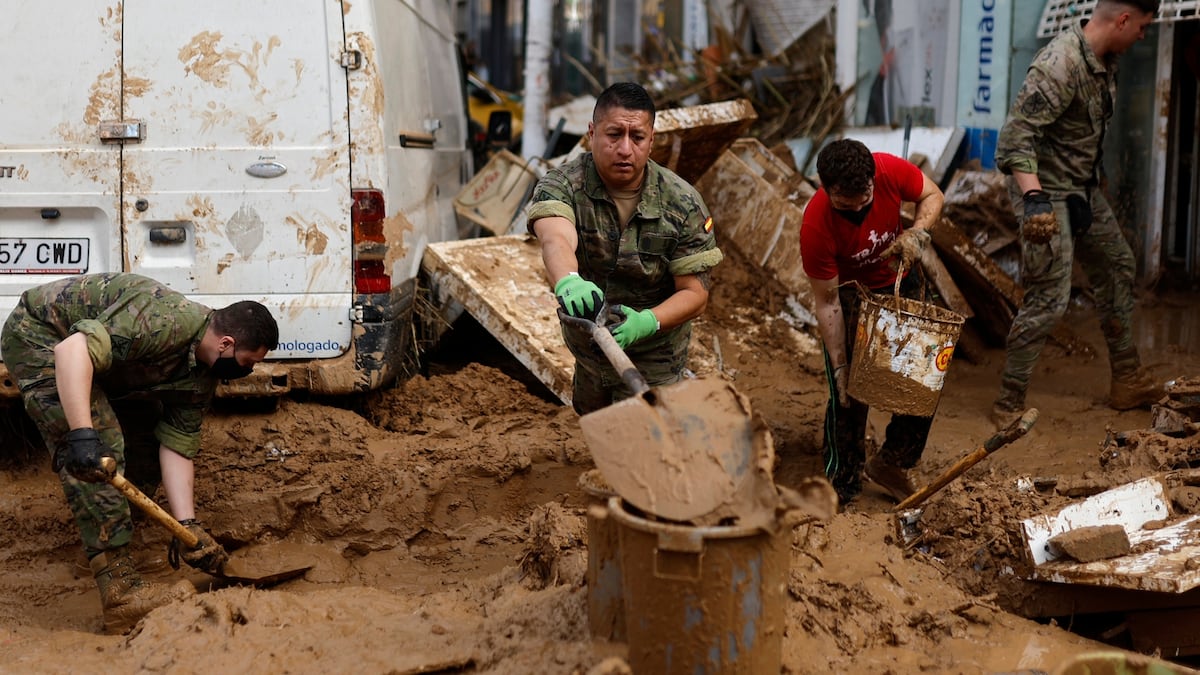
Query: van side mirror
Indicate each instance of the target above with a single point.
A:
(500, 129)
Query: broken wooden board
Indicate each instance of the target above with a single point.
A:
(501, 281)
(757, 202)
(689, 140)
(1161, 558)
(992, 293)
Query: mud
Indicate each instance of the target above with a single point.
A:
(447, 531)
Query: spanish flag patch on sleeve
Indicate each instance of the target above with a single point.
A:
(708, 224)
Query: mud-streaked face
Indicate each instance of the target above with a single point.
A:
(621, 141)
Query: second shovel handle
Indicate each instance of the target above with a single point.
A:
(147, 505)
(619, 360)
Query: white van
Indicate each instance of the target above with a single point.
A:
(301, 153)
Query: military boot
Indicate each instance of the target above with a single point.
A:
(1134, 389)
(1008, 408)
(892, 479)
(126, 597)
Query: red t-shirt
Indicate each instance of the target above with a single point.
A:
(831, 246)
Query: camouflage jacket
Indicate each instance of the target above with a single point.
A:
(669, 235)
(1056, 126)
(141, 337)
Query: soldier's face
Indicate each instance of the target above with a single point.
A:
(621, 141)
(1131, 27)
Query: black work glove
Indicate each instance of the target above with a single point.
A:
(207, 556)
(82, 454)
(1040, 224)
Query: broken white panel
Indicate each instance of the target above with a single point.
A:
(779, 23)
(1131, 506)
(939, 144)
(1057, 15)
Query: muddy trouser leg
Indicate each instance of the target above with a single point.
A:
(845, 427)
(1046, 276)
(101, 512)
(1108, 261)
(906, 436)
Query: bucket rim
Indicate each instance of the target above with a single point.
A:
(616, 509)
(587, 483)
(888, 302)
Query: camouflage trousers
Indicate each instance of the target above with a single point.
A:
(100, 511)
(845, 428)
(1105, 257)
(596, 384)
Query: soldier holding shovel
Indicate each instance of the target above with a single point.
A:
(617, 228)
(100, 359)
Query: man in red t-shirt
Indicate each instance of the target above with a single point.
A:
(851, 232)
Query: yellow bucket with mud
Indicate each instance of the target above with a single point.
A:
(902, 350)
(702, 600)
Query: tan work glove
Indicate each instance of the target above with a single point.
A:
(1040, 225)
(908, 246)
(207, 556)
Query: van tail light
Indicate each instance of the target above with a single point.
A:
(370, 246)
(369, 277)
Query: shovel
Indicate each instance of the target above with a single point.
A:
(907, 513)
(678, 452)
(239, 568)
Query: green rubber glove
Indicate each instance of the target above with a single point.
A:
(578, 296)
(637, 325)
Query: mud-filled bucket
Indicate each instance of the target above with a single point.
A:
(701, 599)
(902, 349)
(606, 607)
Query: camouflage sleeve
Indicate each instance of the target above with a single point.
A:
(99, 343)
(1043, 97)
(179, 427)
(697, 250)
(551, 197)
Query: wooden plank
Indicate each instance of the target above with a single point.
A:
(689, 140)
(501, 281)
(1161, 561)
(990, 291)
(944, 283)
(758, 203)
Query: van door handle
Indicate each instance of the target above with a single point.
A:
(170, 234)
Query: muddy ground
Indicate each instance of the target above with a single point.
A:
(447, 529)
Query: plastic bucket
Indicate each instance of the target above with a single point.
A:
(902, 349)
(606, 607)
(702, 600)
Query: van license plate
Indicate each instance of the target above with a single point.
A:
(36, 255)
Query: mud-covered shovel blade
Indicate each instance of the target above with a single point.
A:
(678, 451)
(263, 565)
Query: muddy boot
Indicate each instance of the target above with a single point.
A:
(126, 597)
(1008, 408)
(893, 479)
(1134, 389)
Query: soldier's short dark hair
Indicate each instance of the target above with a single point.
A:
(846, 166)
(627, 95)
(250, 324)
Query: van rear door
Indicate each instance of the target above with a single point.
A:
(240, 188)
(59, 185)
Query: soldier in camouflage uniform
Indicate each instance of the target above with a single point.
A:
(618, 229)
(1051, 145)
(85, 352)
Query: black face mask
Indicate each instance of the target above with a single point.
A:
(856, 217)
(227, 368)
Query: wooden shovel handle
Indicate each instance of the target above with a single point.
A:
(146, 504)
(619, 360)
(1002, 438)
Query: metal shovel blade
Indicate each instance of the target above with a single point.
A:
(261, 565)
(677, 452)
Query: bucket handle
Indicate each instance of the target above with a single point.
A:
(900, 272)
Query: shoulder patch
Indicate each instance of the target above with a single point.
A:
(1034, 104)
(120, 346)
